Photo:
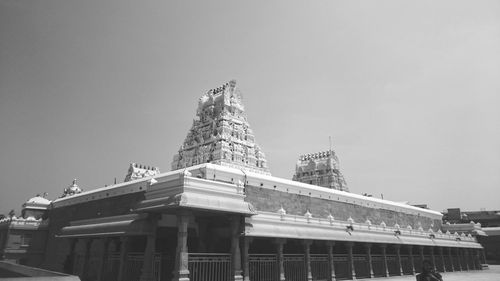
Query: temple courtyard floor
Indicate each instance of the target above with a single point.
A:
(491, 274)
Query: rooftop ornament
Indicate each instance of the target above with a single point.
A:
(369, 223)
(330, 218)
(308, 216)
(152, 181)
(282, 213)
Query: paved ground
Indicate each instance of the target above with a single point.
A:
(492, 274)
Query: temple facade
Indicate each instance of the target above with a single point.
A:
(220, 216)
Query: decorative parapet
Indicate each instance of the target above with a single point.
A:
(282, 225)
(230, 175)
(24, 223)
(138, 171)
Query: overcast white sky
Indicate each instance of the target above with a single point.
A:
(409, 91)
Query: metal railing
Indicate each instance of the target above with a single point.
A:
(263, 267)
(295, 269)
(209, 267)
(111, 267)
(361, 266)
(133, 267)
(320, 268)
(378, 265)
(406, 265)
(341, 266)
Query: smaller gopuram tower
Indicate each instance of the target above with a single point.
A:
(220, 134)
(322, 169)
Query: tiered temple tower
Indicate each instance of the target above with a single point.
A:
(220, 134)
(322, 169)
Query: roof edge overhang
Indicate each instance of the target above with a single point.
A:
(273, 225)
(195, 193)
(124, 225)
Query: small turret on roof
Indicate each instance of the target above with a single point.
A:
(322, 169)
(72, 189)
(138, 171)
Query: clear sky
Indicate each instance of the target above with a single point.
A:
(409, 91)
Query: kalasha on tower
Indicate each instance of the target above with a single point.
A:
(220, 134)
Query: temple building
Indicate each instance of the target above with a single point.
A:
(321, 169)
(220, 216)
(22, 239)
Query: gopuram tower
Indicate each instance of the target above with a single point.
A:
(322, 169)
(220, 134)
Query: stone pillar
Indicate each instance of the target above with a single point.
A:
(88, 244)
(472, 255)
(451, 260)
(69, 262)
(412, 262)
(483, 257)
(307, 254)
(433, 259)
(465, 253)
(181, 270)
(368, 248)
(398, 259)
(421, 253)
(235, 248)
(104, 260)
(124, 248)
(329, 248)
(478, 259)
(458, 258)
(384, 257)
(246, 262)
(350, 260)
(147, 273)
(279, 251)
(440, 249)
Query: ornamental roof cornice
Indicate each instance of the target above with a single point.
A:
(282, 225)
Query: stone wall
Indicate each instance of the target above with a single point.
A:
(295, 204)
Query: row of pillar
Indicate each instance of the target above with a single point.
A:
(460, 253)
(241, 269)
